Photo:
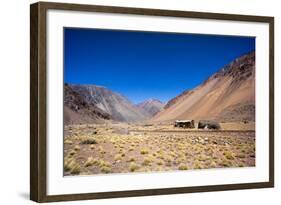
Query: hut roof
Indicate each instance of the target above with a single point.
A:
(184, 120)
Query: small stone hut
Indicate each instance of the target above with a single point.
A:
(184, 123)
(208, 124)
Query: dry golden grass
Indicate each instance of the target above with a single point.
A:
(181, 160)
(77, 148)
(228, 155)
(147, 160)
(213, 164)
(72, 166)
(238, 126)
(225, 162)
(90, 161)
(109, 152)
(75, 169)
(103, 163)
(132, 159)
(160, 162)
(197, 165)
(183, 167)
(105, 169)
(67, 164)
(101, 150)
(89, 141)
(68, 142)
(133, 166)
(118, 157)
(240, 155)
(144, 150)
(72, 152)
(169, 159)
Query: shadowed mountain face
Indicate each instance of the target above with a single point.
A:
(228, 95)
(115, 106)
(151, 106)
(78, 110)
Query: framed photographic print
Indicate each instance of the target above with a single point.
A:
(134, 102)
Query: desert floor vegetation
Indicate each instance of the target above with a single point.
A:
(103, 149)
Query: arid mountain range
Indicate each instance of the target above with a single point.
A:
(228, 95)
(98, 99)
(151, 106)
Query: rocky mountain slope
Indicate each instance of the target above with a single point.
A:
(151, 106)
(115, 106)
(77, 110)
(228, 95)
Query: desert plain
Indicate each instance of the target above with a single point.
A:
(132, 147)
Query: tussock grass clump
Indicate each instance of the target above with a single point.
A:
(213, 164)
(203, 158)
(101, 150)
(253, 155)
(75, 169)
(197, 165)
(160, 155)
(89, 141)
(183, 167)
(181, 160)
(228, 155)
(243, 150)
(132, 159)
(90, 161)
(118, 157)
(169, 159)
(72, 166)
(147, 161)
(173, 154)
(77, 148)
(68, 142)
(133, 166)
(105, 169)
(144, 151)
(160, 162)
(225, 163)
(103, 163)
(72, 152)
(67, 164)
(240, 155)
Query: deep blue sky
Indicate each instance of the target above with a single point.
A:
(142, 65)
